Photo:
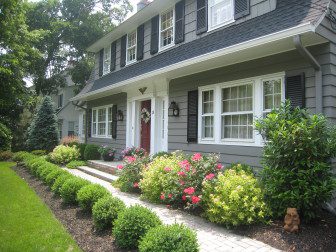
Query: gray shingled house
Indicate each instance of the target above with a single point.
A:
(193, 74)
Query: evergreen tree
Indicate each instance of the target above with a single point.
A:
(43, 133)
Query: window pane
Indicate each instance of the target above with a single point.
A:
(272, 94)
(207, 123)
(167, 28)
(208, 102)
(268, 102)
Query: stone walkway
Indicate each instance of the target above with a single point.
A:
(210, 236)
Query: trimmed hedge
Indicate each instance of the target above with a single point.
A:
(132, 224)
(91, 152)
(89, 195)
(70, 188)
(169, 238)
(105, 211)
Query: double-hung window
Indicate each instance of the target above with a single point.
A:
(237, 112)
(227, 110)
(272, 94)
(221, 12)
(107, 60)
(167, 29)
(102, 121)
(131, 47)
(208, 114)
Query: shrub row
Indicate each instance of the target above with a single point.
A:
(133, 227)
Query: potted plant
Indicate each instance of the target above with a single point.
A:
(107, 152)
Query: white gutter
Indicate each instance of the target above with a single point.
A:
(318, 72)
(288, 33)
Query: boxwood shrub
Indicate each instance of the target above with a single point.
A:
(46, 169)
(132, 224)
(64, 154)
(59, 181)
(91, 152)
(90, 194)
(169, 238)
(52, 176)
(74, 164)
(70, 189)
(105, 211)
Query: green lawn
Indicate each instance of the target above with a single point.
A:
(26, 223)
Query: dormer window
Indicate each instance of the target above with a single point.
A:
(167, 29)
(131, 47)
(107, 60)
(220, 13)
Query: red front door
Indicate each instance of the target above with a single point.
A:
(145, 126)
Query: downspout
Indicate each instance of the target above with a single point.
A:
(86, 119)
(318, 72)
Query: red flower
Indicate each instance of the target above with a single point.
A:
(130, 159)
(210, 176)
(168, 206)
(184, 198)
(162, 197)
(189, 190)
(219, 166)
(170, 195)
(136, 185)
(197, 157)
(195, 199)
(181, 173)
(120, 167)
(185, 165)
(167, 169)
(182, 182)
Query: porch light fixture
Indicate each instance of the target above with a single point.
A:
(173, 109)
(120, 116)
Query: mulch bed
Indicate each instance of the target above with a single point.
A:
(318, 236)
(78, 223)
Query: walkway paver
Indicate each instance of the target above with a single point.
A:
(211, 237)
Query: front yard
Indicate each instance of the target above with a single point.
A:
(27, 224)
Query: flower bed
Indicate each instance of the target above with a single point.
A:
(90, 197)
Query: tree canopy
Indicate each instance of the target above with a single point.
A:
(68, 27)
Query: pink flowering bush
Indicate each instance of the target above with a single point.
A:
(177, 180)
(134, 152)
(130, 173)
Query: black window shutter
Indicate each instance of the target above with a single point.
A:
(140, 41)
(114, 122)
(101, 62)
(180, 20)
(202, 16)
(89, 122)
(295, 90)
(242, 8)
(113, 56)
(154, 47)
(123, 51)
(192, 127)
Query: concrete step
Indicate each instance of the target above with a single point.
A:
(107, 167)
(98, 174)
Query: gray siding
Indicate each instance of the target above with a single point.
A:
(119, 100)
(258, 8)
(290, 62)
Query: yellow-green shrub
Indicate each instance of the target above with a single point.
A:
(234, 198)
(64, 154)
(161, 175)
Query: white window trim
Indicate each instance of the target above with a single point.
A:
(211, 27)
(129, 62)
(162, 48)
(95, 134)
(107, 71)
(257, 109)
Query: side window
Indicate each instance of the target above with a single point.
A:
(71, 128)
(60, 101)
(208, 114)
(272, 90)
(107, 60)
